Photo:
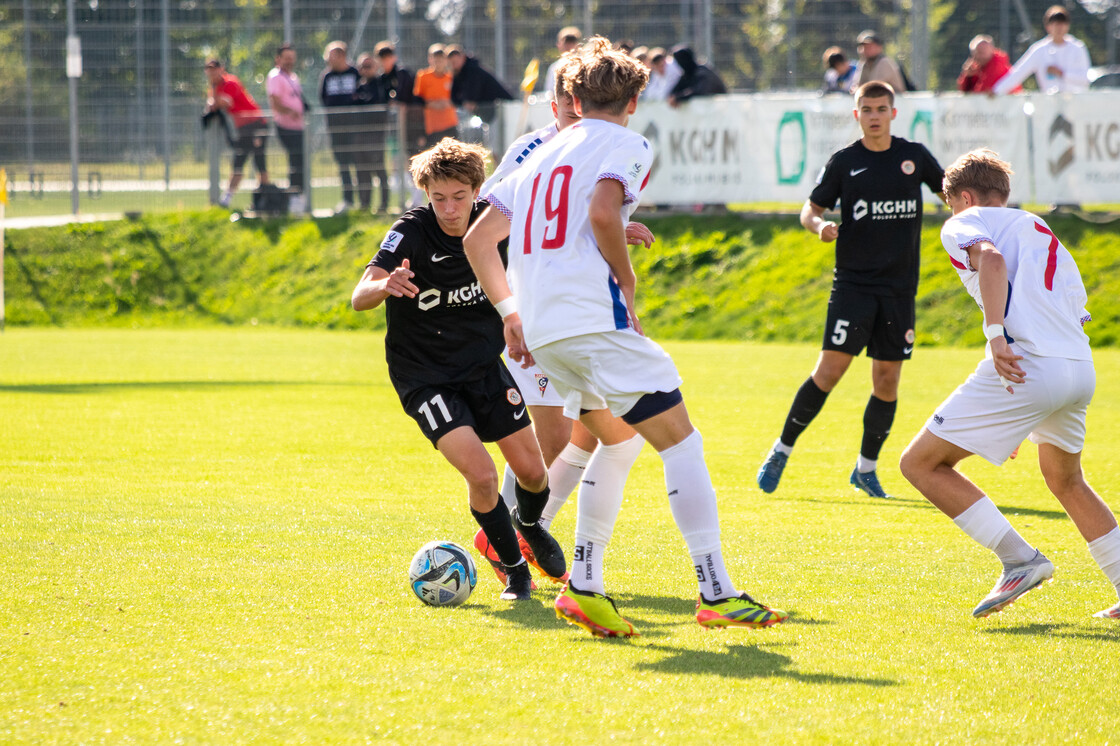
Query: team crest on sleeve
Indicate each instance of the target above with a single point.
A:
(513, 396)
(392, 241)
(635, 170)
(908, 167)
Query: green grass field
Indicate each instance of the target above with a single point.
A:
(206, 535)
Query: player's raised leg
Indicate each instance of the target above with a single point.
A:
(929, 464)
(1089, 513)
(464, 450)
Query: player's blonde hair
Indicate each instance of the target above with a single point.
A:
(449, 159)
(604, 79)
(567, 60)
(980, 171)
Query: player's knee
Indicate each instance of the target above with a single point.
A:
(481, 478)
(534, 478)
(913, 464)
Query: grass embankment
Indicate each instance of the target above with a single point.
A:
(710, 277)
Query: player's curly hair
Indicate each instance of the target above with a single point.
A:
(980, 171)
(604, 79)
(449, 159)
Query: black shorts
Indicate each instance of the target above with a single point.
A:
(884, 324)
(492, 406)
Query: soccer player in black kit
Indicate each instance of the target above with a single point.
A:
(878, 180)
(443, 344)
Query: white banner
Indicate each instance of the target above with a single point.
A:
(772, 147)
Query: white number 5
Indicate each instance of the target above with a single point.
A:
(840, 333)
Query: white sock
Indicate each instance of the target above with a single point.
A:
(600, 498)
(988, 527)
(1106, 552)
(563, 477)
(864, 465)
(509, 481)
(692, 500)
(781, 447)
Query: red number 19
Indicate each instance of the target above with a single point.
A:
(555, 210)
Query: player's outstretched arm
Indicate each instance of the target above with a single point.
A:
(992, 267)
(376, 285)
(481, 247)
(812, 218)
(605, 214)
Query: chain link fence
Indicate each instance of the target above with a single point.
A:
(140, 143)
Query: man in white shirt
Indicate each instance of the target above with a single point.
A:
(573, 312)
(567, 39)
(1037, 381)
(1060, 63)
(664, 72)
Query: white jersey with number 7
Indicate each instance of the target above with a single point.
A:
(1045, 295)
(562, 283)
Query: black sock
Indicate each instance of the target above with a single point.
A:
(530, 505)
(499, 531)
(877, 421)
(806, 404)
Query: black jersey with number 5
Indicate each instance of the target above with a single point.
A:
(880, 193)
(450, 332)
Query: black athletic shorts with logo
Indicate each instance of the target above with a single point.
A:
(884, 324)
(491, 405)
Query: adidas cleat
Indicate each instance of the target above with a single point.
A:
(770, 473)
(548, 557)
(519, 583)
(594, 612)
(1113, 612)
(738, 611)
(868, 482)
(1013, 583)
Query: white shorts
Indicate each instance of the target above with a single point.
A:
(982, 418)
(607, 370)
(536, 387)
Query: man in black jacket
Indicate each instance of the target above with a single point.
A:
(697, 80)
(475, 88)
(336, 90)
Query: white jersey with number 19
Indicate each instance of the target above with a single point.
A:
(563, 286)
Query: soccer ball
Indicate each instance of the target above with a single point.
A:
(442, 574)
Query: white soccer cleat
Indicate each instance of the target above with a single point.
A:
(1014, 582)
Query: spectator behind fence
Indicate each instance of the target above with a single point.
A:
(433, 87)
(566, 40)
(229, 96)
(696, 79)
(285, 98)
(839, 71)
(374, 123)
(336, 90)
(664, 72)
(984, 67)
(398, 83)
(1060, 63)
(475, 88)
(874, 65)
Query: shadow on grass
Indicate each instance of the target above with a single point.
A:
(115, 386)
(742, 661)
(1064, 631)
(924, 505)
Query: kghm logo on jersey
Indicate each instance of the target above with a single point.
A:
(542, 382)
(885, 209)
(464, 296)
(513, 396)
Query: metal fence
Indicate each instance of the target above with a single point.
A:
(135, 111)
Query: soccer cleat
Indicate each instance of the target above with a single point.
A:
(1112, 612)
(770, 473)
(225, 199)
(527, 553)
(594, 612)
(739, 611)
(547, 555)
(486, 549)
(1013, 583)
(868, 482)
(518, 583)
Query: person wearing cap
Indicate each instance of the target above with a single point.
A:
(664, 72)
(567, 39)
(1060, 63)
(874, 65)
(433, 86)
(984, 67)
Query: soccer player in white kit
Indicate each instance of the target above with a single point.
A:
(1037, 380)
(571, 309)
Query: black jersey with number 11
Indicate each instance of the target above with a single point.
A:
(450, 332)
(880, 193)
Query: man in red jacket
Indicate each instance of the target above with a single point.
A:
(985, 65)
(229, 95)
